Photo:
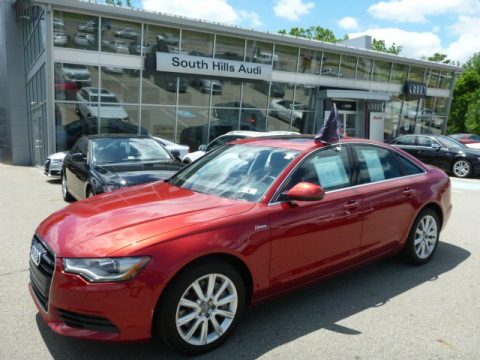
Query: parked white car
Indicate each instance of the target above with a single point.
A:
(53, 164)
(181, 150)
(88, 98)
(76, 73)
(118, 46)
(284, 109)
(231, 136)
(84, 40)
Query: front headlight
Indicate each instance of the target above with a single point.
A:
(106, 269)
(113, 186)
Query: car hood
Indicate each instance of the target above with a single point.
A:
(57, 156)
(110, 112)
(137, 173)
(101, 225)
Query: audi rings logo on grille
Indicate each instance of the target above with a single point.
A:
(36, 252)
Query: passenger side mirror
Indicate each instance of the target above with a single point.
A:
(305, 191)
(78, 157)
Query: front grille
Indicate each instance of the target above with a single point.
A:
(41, 274)
(87, 321)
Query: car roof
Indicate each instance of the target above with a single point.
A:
(116, 136)
(301, 142)
(250, 133)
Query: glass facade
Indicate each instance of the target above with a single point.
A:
(194, 109)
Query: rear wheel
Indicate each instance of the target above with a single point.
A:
(462, 168)
(201, 308)
(65, 193)
(423, 238)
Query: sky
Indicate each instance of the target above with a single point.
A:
(421, 27)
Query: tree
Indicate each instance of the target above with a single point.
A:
(314, 33)
(379, 45)
(464, 112)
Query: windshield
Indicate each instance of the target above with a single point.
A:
(449, 142)
(120, 150)
(236, 171)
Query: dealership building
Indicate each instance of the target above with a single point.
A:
(69, 68)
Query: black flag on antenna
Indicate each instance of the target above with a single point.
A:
(330, 131)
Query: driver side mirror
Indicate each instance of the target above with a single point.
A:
(202, 147)
(436, 146)
(305, 191)
(176, 154)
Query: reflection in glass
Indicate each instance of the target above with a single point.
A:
(119, 36)
(256, 93)
(287, 58)
(416, 74)
(113, 123)
(124, 84)
(364, 68)
(192, 127)
(196, 44)
(445, 80)
(441, 106)
(159, 121)
(392, 116)
(399, 73)
(197, 93)
(408, 117)
(225, 90)
(433, 79)
(310, 61)
(348, 65)
(330, 65)
(70, 78)
(381, 71)
(229, 48)
(160, 37)
(261, 52)
(75, 30)
(425, 116)
(160, 89)
(253, 119)
(70, 126)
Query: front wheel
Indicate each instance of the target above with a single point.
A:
(202, 306)
(461, 168)
(423, 238)
(65, 193)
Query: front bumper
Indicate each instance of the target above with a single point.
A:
(52, 168)
(120, 311)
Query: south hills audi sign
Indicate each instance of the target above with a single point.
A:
(197, 65)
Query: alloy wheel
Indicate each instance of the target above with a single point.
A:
(426, 236)
(461, 168)
(206, 309)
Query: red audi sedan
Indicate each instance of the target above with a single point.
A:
(183, 258)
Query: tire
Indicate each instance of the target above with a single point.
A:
(65, 193)
(462, 168)
(423, 238)
(195, 333)
(89, 193)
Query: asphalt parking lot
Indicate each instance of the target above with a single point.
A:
(386, 310)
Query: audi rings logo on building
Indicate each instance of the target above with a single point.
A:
(415, 89)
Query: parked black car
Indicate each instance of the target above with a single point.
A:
(443, 152)
(102, 163)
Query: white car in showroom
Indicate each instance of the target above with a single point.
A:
(88, 104)
(230, 136)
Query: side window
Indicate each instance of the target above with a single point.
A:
(375, 164)
(404, 140)
(424, 141)
(408, 167)
(329, 168)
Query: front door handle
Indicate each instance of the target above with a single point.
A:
(351, 206)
